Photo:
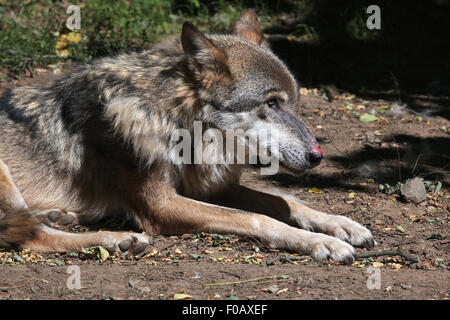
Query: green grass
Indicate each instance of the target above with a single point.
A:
(30, 30)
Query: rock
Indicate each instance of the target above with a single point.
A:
(406, 286)
(414, 191)
(430, 209)
(273, 288)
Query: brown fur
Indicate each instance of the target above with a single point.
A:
(97, 142)
(17, 228)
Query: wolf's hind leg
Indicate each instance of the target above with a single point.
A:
(47, 239)
(20, 228)
(11, 199)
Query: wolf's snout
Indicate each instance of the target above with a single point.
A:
(315, 155)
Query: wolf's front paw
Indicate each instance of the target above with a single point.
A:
(324, 247)
(347, 230)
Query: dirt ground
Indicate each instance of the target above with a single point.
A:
(359, 157)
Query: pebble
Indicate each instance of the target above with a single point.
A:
(273, 288)
(414, 191)
(430, 209)
(405, 286)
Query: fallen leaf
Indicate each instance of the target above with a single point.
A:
(282, 291)
(436, 236)
(315, 190)
(181, 296)
(154, 252)
(103, 254)
(366, 117)
(425, 265)
(378, 264)
(396, 266)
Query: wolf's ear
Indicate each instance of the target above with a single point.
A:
(201, 52)
(248, 27)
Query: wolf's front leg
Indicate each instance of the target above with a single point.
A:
(337, 226)
(170, 213)
(293, 212)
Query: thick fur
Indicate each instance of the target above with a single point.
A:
(98, 141)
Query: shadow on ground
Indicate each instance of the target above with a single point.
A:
(406, 61)
(427, 158)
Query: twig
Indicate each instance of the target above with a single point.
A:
(272, 262)
(243, 281)
(285, 258)
(397, 85)
(398, 160)
(397, 252)
(15, 286)
(167, 247)
(390, 233)
(344, 153)
(231, 274)
(415, 164)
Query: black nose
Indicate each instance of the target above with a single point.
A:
(315, 157)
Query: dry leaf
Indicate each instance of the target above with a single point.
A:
(378, 264)
(282, 291)
(396, 266)
(181, 296)
(425, 265)
(315, 190)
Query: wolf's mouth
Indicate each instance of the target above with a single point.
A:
(284, 168)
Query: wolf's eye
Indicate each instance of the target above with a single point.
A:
(273, 103)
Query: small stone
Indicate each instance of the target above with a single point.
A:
(430, 209)
(414, 191)
(273, 288)
(405, 286)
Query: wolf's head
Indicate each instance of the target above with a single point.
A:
(243, 85)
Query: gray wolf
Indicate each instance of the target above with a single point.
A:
(95, 146)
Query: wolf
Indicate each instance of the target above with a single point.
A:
(96, 145)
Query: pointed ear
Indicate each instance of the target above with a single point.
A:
(200, 51)
(248, 27)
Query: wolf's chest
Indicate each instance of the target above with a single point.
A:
(205, 181)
